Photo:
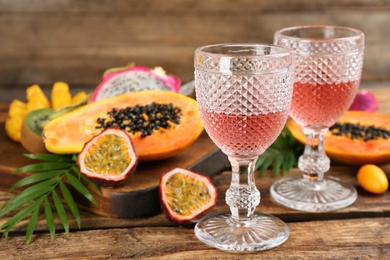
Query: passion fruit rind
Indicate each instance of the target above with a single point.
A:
(108, 158)
(186, 196)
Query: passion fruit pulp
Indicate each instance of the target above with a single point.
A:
(186, 196)
(108, 158)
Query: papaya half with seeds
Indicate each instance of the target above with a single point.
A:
(160, 123)
(357, 138)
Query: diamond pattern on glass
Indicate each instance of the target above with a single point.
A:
(241, 112)
(242, 197)
(329, 69)
(327, 76)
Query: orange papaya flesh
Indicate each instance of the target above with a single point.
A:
(350, 151)
(68, 133)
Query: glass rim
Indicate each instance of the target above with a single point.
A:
(358, 33)
(281, 51)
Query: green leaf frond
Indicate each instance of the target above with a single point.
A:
(281, 156)
(47, 180)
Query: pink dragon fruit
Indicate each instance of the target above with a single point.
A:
(121, 80)
(364, 101)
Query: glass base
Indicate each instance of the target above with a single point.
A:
(313, 196)
(261, 232)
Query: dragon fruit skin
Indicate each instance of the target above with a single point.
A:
(364, 101)
(118, 81)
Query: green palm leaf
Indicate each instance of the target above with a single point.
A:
(42, 181)
(78, 185)
(34, 178)
(49, 218)
(85, 179)
(50, 157)
(27, 195)
(45, 166)
(19, 216)
(31, 224)
(281, 156)
(60, 211)
(278, 164)
(71, 204)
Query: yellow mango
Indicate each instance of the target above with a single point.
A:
(35, 94)
(78, 97)
(13, 126)
(60, 95)
(34, 105)
(17, 107)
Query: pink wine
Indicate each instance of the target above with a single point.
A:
(246, 136)
(320, 105)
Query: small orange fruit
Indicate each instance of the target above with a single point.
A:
(373, 179)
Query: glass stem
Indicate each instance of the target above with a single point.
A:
(314, 162)
(242, 196)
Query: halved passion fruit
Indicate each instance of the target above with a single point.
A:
(108, 158)
(186, 196)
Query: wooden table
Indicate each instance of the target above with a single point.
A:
(361, 231)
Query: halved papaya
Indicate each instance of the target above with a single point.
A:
(160, 123)
(350, 148)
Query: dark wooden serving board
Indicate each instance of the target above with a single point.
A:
(138, 197)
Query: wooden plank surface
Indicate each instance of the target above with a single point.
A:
(333, 239)
(366, 206)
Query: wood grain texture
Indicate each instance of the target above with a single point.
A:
(366, 206)
(353, 239)
(75, 41)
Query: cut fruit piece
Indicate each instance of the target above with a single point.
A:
(186, 196)
(108, 158)
(364, 101)
(16, 112)
(33, 123)
(12, 128)
(17, 108)
(60, 95)
(155, 135)
(36, 95)
(79, 97)
(31, 130)
(358, 138)
(117, 81)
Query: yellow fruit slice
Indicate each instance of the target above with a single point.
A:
(34, 105)
(13, 126)
(16, 112)
(78, 97)
(60, 95)
(17, 108)
(35, 94)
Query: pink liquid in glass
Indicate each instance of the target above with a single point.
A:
(246, 136)
(320, 105)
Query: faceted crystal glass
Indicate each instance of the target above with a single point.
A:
(328, 65)
(244, 93)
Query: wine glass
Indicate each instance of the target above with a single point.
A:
(328, 65)
(244, 93)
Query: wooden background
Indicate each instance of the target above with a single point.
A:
(43, 41)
